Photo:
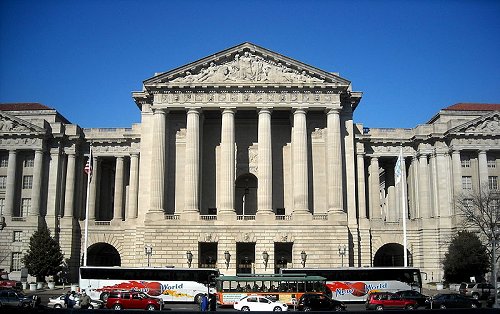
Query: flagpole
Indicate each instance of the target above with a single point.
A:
(89, 175)
(403, 199)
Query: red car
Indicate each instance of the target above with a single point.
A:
(387, 300)
(121, 300)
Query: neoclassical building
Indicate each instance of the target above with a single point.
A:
(243, 152)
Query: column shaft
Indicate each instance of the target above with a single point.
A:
(423, 183)
(118, 196)
(300, 175)
(375, 212)
(158, 162)
(133, 195)
(93, 188)
(70, 187)
(361, 186)
(11, 183)
(457, 172)
(334, 161)
(483, 169)
(37, 183)
(227, 163)
(265, 160)
(192, 161)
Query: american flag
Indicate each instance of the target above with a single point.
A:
(88, 165)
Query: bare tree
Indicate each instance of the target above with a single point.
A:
(480, 210)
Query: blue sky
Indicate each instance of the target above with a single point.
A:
(409, 58)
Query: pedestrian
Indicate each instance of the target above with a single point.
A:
(84, 301)
(67, 300)
(213, 302)
(204, 303)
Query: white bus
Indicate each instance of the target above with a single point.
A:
(171, 284)
(353, 284)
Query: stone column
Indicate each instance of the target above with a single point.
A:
(334, 161)
(158, 161)
(423, 183)
(265, 167)
(299, 155)
(11, 184)
(37, 183)
(361, 186)
(374, 191)
(54, 190)
(118, 196)
(192, 162)
(133, 195)
(483, 168)
(227, 164)
(93, 188)
(70, 187)
(457, 172)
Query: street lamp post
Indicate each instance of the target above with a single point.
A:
(189, 257)
(303, 258)
(265, 258)
(342, 252)
(227, 258)
(148, 249)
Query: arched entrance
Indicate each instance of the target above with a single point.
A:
(390, 254)
(103, 254)
(246, 194)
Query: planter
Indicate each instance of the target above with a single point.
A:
(51, 285)
(25, 285)
(39, 285)
(32, 286)
(439, 286)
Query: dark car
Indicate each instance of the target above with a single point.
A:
(388, 301)
(133, 300)
(422, 299)
(13, 298)
(478, 291)
(452, 301)
(319, 302)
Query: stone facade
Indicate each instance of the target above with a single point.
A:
(242, 152)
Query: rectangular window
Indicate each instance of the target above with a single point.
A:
(468, 203)
(493, 182)
(2, 206)
(25, 206)
(16, 264)
(4, 161)
(467, 183)
(27, 182)
(465, 161)
(492, 162)
(17, 237)
(3, 182)
(29, 162)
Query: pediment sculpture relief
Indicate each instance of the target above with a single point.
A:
(247, 68)
(7, 125)
(491, 125)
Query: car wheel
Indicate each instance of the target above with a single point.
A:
(379, 308)
(475, 296)
(117, 307)
(277, 309)
(410, 307)
(150, 307)
(473, 305)
(245, 309)
(104, 296)
(91, 307)
(57, 306)
(442, 306)
(197, 298)
(338, 308)
(307, 309)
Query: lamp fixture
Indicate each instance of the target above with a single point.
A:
(189, 257)
(342, 253)
(265, 258)
(148, 250)
(303, 258)
(227, 258)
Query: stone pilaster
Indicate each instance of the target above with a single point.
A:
(483, 168)
(92, 201)
(374, 190)
(158, 162)
(11, 184)
(227, 158)
(192, 162)
(334, 162)
(265, 167)
(118, 196)
(133, 195)
(457, 172)
(70, 187)
(299, 155)
(423, 184)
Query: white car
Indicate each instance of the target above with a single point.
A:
(58, 303)
(259, 303)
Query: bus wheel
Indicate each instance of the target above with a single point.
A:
(379, 308)
(150, 307)
(338, 308)
(117, 307)
(277, 309)
(442, 306)
(307, 309)
(245, 309)
(197, 298)
(104, 296)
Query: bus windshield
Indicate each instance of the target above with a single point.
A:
(353, 284)
(285, 288)
(171, 284)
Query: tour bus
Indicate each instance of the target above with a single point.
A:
(171, 284)
(284, 288)
(351, 284)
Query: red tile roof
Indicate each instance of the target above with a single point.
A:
(23, 106)
(474, 107)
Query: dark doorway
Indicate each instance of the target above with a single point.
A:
(103, 254)
(282, 255)
(390, 254)
(246, 195)
(207, 255)
(245, 257)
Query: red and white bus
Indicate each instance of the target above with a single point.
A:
(351, 284)
(171, 284)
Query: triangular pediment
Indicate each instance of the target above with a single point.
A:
(488, 125)
(10, 124)
(246, 64)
